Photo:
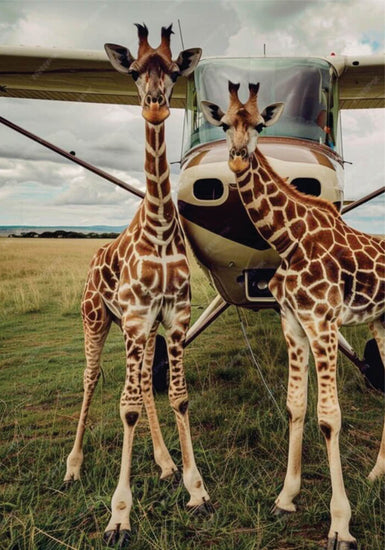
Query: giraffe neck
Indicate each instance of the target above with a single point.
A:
(272, 206)
(158, 214)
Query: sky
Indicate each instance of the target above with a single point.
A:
(39, 188)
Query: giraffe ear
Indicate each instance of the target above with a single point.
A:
(272, 113)
(120, 57)
(212, 113)
(188, 60)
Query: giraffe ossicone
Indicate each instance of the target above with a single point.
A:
(330, 275)
(142, 280)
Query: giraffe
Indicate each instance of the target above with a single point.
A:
(329, 275)
(141, 280)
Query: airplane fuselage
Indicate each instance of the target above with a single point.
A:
(236, 258)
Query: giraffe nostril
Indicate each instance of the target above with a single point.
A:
(244, 153)
(153, 100)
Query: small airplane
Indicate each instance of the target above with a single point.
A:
(305, 147)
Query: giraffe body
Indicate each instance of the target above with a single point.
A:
(330, 275)
(142, 280)
(327, 269)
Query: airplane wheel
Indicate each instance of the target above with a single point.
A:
(374, 373)
(160, 366)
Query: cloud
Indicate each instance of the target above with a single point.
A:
(307, 28)
(81, 191)
(363, 139)
(368, 217)
(14, 173)
(88, 25)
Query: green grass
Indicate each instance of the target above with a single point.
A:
(240, 439)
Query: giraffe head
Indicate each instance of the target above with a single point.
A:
(242, 123)
(154, 71)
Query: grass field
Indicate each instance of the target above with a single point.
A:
(240, 438)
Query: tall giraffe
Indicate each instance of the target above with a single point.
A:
(330, 275)
(141, 280)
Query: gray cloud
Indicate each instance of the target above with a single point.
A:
(93, 23)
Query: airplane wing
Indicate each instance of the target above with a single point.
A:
(69, 75)
(76, 75)
(361, 80)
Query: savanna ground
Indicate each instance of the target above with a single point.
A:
(240, 438)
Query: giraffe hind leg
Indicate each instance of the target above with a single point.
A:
(161, 454)
(378, 331)
(199, 498)
(324, 344)
(96, 324)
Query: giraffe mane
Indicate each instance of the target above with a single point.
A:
(291, 191)
(319, 202)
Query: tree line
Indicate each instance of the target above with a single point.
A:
(61, 234)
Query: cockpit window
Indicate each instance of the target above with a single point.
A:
(305, 85)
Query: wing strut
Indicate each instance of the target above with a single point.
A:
(364, 199)
(73, 158)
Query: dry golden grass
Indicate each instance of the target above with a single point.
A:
(36, 273)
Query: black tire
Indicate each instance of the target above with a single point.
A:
(374, 373)
(160, 366)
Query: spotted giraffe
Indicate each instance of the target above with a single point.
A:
(330, 275)
(141, 280)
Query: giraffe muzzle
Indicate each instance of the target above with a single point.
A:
(155, 108)
(239, 159)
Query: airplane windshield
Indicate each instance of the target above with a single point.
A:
(306, 86)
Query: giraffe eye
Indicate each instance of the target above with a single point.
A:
(259, 127)
(174, 75)
(134, 74)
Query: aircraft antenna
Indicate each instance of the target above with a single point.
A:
(256, 364)
(180, 32)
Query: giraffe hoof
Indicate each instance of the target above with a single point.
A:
(170, 475)
(334, 544)
(119, 537)
(205, 509)
(67, 484)
(280, 512)
(174, 479)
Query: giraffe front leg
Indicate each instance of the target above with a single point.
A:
(118, 530)
(378, 470)
(298, 352)
(324, 344)
(95, 335)
(161, 454)
(192, 479)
